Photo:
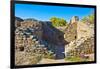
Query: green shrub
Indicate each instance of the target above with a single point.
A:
(49, 55)
(89, 19)
(75, 59)
(56, 22)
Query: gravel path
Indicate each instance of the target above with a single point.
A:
(49, 61)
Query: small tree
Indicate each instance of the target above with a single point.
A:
(84, 19)
(89, 19)
(58, 21)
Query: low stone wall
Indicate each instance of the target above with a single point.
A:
(80, 46)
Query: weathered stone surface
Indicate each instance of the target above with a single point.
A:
(80, 46)
(83, 30)
(71, 32)
(27, 32)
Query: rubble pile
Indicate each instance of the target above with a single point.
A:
(28, 39)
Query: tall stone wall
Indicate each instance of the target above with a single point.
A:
(71, 30)
(81, 39)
